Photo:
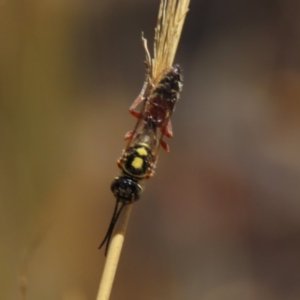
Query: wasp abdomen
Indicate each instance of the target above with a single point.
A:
(162, 101)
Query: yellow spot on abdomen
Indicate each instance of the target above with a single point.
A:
(141, 151)
(137, 163)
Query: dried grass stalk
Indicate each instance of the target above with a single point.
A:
(170, 21)
(168, 30)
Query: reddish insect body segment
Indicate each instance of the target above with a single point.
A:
(160, 103)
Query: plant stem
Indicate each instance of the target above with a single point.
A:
(113, 255)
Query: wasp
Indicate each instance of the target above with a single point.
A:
(139, 157)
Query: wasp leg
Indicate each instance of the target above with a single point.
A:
(128, 136)
(120, 162)
(168, 131)
(135, 103)
(165, 146)
(150, 173)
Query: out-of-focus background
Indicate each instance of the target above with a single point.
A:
(221, 217)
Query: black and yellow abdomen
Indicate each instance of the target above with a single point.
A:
(138, 161)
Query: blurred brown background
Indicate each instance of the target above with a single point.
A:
(220, 219)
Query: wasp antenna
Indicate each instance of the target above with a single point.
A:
(110, 228)
(113, 226)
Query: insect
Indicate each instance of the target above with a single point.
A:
(139, 157)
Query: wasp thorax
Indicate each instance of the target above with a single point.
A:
(137, 161)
